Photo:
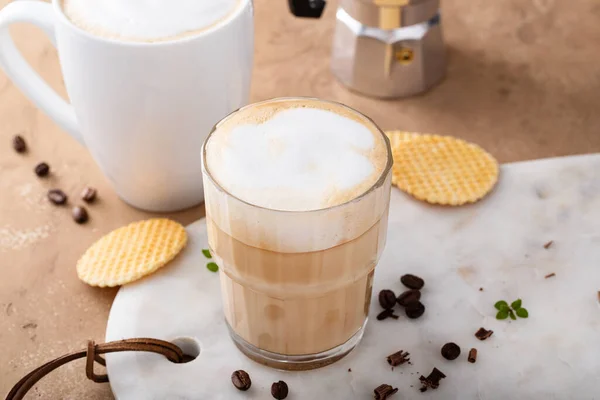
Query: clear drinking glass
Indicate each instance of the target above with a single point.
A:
(296, 292)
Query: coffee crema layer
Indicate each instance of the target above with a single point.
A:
(147, 20)
(296, 155)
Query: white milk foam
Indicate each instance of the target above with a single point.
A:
(298, 159)
(146, 20)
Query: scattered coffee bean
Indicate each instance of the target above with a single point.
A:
(279, 390)
(241, 380)
(552, 275)
(432, 381)
(483, 334)
(549, 244)
(414, 310)
(384, 391)
(19, 144)
(57, 196)
(412, 281)
(387, 299)
(450, 351)
(42, 169)
(410, 296)
(398, 358)
(80, 215)
(385, 314)
(472, 356)
(89, 194)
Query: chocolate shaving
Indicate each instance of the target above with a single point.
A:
(385, 314)
(483, 334)
(384, 391)
(598, 296)
(549, 244)
(432, 381)
(472, 356)
(349, 369)
(552, 275)
(398, 358)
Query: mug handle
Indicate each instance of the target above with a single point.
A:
(20, 72)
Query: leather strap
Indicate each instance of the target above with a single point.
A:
(172, 352)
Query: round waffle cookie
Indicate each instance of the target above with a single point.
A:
(443, 170)
(131, 252)
(399, 137)
(396, 140)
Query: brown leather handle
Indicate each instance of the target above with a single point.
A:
(93, 351)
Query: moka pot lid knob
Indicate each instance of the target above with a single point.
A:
(307, 8)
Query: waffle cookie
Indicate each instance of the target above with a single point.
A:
(396, 140)
(131, 252)
(442, 169)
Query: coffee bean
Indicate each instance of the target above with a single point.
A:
(412, 281)
(241, 380)
(410, 296)
(19, 144)
(450, 351)
(414, 310)
(57, 196)
(279, 390)
(42, 169)
(387, 299)
(89, 194)
(80, 215)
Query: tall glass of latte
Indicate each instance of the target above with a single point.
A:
(297, 195)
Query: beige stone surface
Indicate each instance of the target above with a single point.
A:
(523, 82)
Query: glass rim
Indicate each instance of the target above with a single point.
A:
(378, 183)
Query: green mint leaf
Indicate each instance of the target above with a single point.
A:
(502, 314)
(206, 253)
(512, 315)
(516, 304)
(522, 312)
(501, 305)
(212, 267)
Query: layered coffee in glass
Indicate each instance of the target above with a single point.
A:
(297, 195)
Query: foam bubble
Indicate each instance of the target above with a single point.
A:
(146, 20)
(296, 158)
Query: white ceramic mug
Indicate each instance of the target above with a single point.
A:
(142, 109)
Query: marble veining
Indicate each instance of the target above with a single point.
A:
(497, 245)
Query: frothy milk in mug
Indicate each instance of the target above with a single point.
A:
(147, 20)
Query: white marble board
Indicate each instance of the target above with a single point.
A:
(496, 244)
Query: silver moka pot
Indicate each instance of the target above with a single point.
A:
(384, 48)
